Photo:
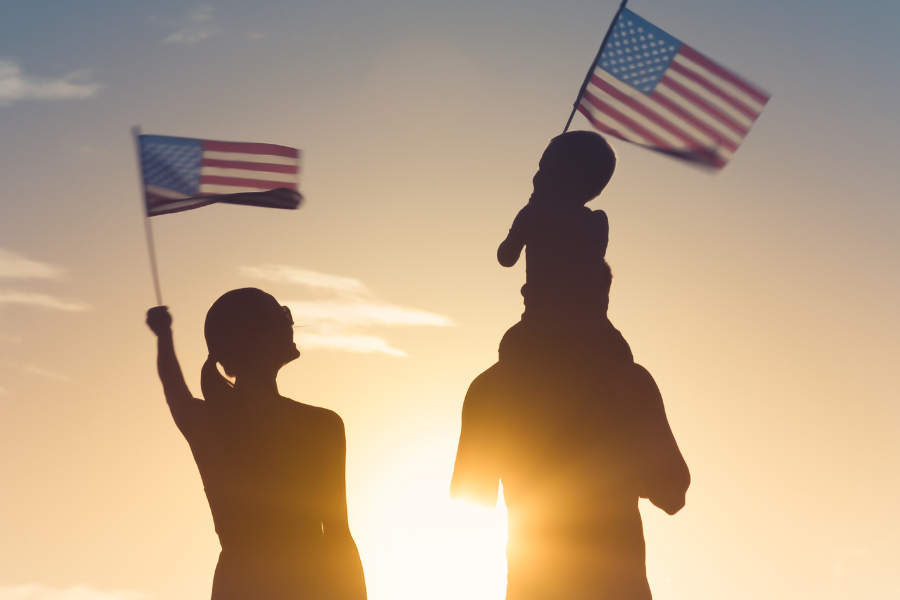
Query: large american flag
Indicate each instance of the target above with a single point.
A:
(651, 89)
(184, 173)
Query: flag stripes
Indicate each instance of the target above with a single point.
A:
(248, 166)
(262, 174)
(183, 173)
(245, 148)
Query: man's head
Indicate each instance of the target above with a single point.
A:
(575, 167)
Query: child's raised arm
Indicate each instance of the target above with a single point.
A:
(511, 248)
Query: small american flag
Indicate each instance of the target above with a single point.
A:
(184, 173)
(650, 89)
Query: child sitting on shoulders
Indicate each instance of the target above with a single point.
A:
(567, 278)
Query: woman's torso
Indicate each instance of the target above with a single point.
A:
(264, 466)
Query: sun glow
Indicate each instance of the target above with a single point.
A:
(432, 547)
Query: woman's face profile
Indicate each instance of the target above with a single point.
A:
(277, 329)
(292, 351)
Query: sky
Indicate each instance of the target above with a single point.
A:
(763, 298)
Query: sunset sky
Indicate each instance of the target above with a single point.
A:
(763, 298)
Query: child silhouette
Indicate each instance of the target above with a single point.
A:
(272, 468)
(567, 277)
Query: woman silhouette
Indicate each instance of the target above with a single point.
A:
(272, 468)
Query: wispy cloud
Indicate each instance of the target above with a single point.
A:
(195, 27)
(17, 86)
(16, 266)
(78, 592)
(33, 369)
(363, 313)
(306, 278)
(330, 323)
(349, 343)
(40, 300)
(93, 151)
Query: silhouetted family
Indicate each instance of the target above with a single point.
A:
(571, 426)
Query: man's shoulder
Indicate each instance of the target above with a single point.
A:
(486, 392)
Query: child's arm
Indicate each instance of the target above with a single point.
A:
(511, 248)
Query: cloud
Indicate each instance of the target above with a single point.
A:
(363, 313)
(39, 300)
(306, 278)
(78, 592)
(16, 86)
(33, 369)
(93, 151)
(16, 266)
(195, 27)
(348, 343)
(329, 323)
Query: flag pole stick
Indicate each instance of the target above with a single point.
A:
(148, 228)
(587, 78)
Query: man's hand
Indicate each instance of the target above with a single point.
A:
(159, 320)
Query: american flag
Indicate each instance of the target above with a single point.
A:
(184, 173)
(650, 89)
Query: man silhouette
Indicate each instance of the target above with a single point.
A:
(574, 429)
(575, 447)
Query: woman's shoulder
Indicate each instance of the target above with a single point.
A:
(323, 417)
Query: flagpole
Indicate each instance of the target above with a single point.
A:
(587, 78)
(148, 228)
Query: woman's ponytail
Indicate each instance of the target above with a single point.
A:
(214, 386)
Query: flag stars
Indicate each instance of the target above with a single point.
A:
(638, 52)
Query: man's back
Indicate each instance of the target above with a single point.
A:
(566, 442)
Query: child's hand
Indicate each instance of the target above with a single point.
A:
(159, 320)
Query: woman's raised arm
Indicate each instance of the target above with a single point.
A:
(178, 396)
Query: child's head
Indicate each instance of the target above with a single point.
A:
(575, 167)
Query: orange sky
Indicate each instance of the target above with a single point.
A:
(762, 298)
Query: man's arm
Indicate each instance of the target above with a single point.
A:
(178, 396)
(662, 471)
(341, 553)
(476, 475)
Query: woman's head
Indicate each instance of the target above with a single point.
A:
(247, 330)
